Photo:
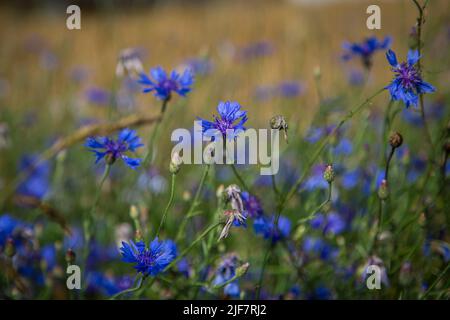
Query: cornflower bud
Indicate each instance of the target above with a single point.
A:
(329, 174)
(395, 140)
(383, 190)
(70, 256)
(175, 163)
(10, 248)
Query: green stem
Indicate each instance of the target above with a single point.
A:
(194, 204)
(318, 209)
(440, 276)
(169, 204)
(139, 286)
(322, 146)
(88, 219)
(149, 154)
(241, 181)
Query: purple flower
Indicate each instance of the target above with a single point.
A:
(231, 118)
(266, 227)
(163, 85)
(290, 89)
(252, 205)
(37, 183)
(111, 150)
(200, 66)
(225, 272)
(98, 96)
(365, 49)
(149, 261)
(407, 84)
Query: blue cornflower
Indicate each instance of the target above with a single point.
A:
(37, 183)
(290, 89)
(319, 247)
(163, 85)
(200, 66)
(230, 118)
(333, 223)
(365, 49)
(407, 84)
(98, 96)
(252, 205)
(7, 226)
(111, 150)
(225, 272)
(266, 227)
(151, 260)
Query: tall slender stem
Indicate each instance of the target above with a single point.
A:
(169, 204)
(240, 179)
(194, 204)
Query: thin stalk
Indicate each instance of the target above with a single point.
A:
(151, 141)
(420, 21)
(238, 176)
(318, 209)
(134, 289)
(322, 146)
(88, 218)
(169, 204)
(194, 203)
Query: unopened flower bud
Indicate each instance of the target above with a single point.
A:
(219, 191)
(242, 270)
(329, 174)
(395, 140)
(10, 248)
(175, 163)
(383, 190)
(138, 235)
(134, 213)
(70, 256)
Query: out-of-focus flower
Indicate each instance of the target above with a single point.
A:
(355, 77)
(4, 135)
(111, 150)
(225, 272)
(129, 62)
(37, 183)
(200, 66)
(251, 204)
(318, 247)
(231, 118)
(163, 85)
(407, 84)
(254, 50)
(332, 223)
(365, 50)
(266, 227)
(98, 96)
(374, 260)
(149, 261)
(290, 89)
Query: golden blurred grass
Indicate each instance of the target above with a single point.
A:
(304, 37)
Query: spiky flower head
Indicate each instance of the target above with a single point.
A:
(152, 260)
(229, 123)
(113, 149)
(407, 84)
(163, 86)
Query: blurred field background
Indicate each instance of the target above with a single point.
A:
(47, 72)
